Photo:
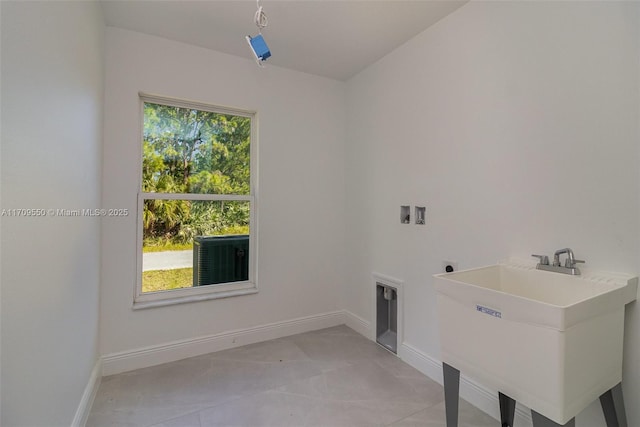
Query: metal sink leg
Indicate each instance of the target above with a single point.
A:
(507, 410)
(451, 393)
(613, 407)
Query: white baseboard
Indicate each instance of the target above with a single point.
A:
(116, 363)
(474, 393)
(84, 408)
(421, 361)
(358, 324)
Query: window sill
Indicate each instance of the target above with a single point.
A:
(141, 305)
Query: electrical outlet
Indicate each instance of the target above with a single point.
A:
(449, 266)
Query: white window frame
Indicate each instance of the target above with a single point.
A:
(214, 291)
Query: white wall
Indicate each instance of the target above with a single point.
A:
(301, 190)
(52, 77)
(516, 125)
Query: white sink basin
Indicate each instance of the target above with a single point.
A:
(548, 340)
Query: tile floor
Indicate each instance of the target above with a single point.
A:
(331, 377)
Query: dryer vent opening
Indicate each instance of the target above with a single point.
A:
(387, 317)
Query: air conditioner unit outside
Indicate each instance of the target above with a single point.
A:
(220, 259)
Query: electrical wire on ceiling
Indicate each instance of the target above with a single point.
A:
(260, 18)
(258, 45)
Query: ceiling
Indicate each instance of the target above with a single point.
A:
(331, 38)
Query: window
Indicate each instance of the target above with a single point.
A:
(196, 205)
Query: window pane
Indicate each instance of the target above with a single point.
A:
(190, 243)
(192, 151)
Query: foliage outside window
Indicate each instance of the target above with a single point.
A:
(196, 195)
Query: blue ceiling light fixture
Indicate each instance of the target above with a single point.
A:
(257, 44)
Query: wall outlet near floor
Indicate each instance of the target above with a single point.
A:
(449, 266)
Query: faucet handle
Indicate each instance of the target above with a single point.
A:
(544, 260)
(570, 264)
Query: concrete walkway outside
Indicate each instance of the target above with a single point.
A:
(168, 260)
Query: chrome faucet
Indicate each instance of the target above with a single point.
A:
(570, 261)
(569, 264)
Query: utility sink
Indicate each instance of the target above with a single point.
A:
(548, 340)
